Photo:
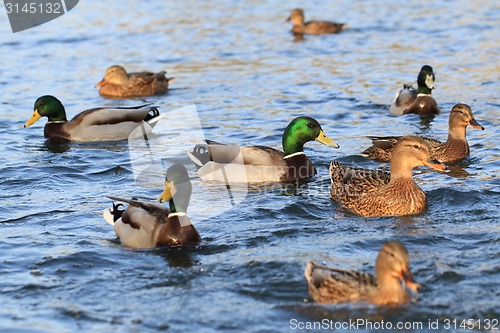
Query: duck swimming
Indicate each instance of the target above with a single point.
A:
(372, 193)
(260, 164)
(150, 225)
(313, 27)
(453, 150)
(386, 288)
(118, 83)
(409, 100)
(99, 124)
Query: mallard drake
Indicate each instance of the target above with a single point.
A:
(258, 164)
(386, 288)
(409, 100)
(149, 225)
(454, 149)
(99, 124)
(312, 27)
(118, 83)
(372, 193)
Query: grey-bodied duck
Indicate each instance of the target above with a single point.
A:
(312, 27)
(387, 288)
(371, 193)
(118, 83)
(453, 150)
(98, 124)
(150, 225)
(261, 164)
(420, 101)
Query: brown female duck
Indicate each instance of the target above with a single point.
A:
(118, 83)
(149, 225)
(373, 193)
(312, 27)
(409, 100)
(453, 150)
(387, 288)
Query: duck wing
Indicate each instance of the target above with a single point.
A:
(330, 285)
(403, 100)
(225, 154)
(348, 183)
(156, 210)
(103, 124)
(324, 27)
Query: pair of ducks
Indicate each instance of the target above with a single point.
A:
(118, 83)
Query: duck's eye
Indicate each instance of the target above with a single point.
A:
(416, 146)
(310, 125)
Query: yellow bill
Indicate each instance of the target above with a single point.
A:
(36, 115)
(326, 140)
(167, 192)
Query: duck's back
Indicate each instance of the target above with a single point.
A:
(328, 285)
(323, 27)
(349, 183)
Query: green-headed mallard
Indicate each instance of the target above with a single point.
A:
(409, 100)
(372, 193)
(386, 288)
(149, 225)
(99, 124)
(118, 83)
(312, 27)
(454, 149)
(258, 164)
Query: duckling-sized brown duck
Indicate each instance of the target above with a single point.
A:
(149, 225)
(118, 83)
(409, 100)
(387, 288)
(312, 27)
(453, 150)
(373, 193)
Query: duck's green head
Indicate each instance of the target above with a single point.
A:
(302, 130)
(47, 106)
(426, 80)
(177, 188)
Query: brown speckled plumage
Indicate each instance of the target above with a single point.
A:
(313, 27)
(454, 149)
(118, 83)
(330, 285)
(372, 193)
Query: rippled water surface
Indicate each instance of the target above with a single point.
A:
(61, 267)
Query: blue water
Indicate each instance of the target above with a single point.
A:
(61, 267)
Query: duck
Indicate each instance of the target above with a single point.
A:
(312, 27)
(373, 193)
(420, 101)
(389, 286)
(149, 225)
(118, 83)
(260, 164)
(98, 124)
(453, 150)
